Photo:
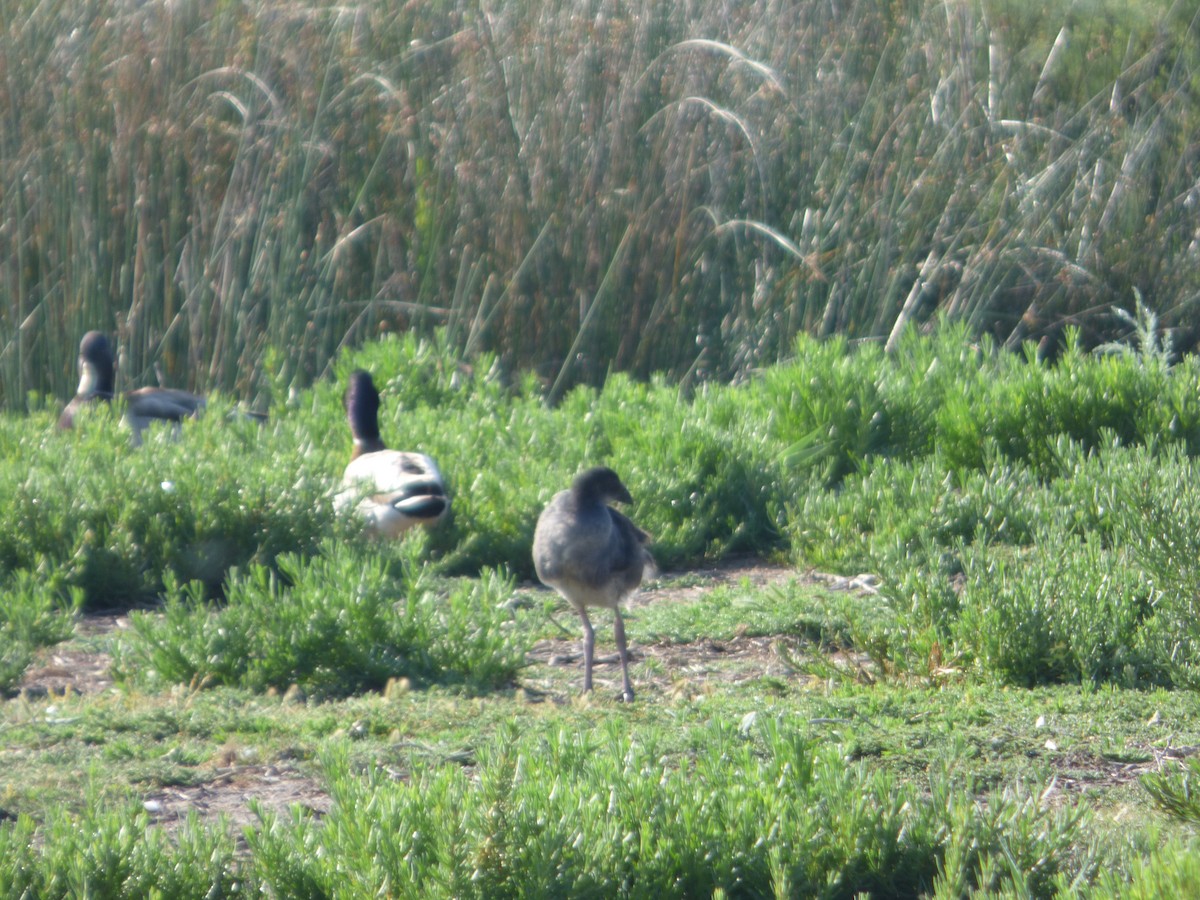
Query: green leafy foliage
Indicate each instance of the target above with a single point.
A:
(1027, 408)
(1174, 871)
(1067, 608)
(115, 853)
(345, 621)
(111, 519)
(831, 415)
(564, 814)
(939, 462)
(602, 814)
(36, 612)
(1156, 516)
(1176, 791)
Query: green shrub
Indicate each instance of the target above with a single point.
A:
(756, 811)
(1170, 871)
(190, 508)
(702, 482)
(1094, 400)
(1158, 519)
(116, 853)
(339, 623)
(828, 410)
(1067, 609)
(896, 505)
(1175, 791)
(37, 611)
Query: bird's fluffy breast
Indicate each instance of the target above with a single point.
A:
(594, 545)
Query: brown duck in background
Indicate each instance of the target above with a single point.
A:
(142, 407)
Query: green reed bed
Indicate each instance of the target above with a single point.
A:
(239, 191)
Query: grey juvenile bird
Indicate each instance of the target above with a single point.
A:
(593, 555)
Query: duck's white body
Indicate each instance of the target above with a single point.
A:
(393, 490)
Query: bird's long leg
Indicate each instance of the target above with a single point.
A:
(589, 640)
(623, 650)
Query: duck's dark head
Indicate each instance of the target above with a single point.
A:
(362, 411)
(96, 369)
(600, 484)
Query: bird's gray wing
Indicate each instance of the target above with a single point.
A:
(628, 550)
(163, 403)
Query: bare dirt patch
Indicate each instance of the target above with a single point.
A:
(235, 793)
(231, 793)
(685, 667)
(1082, 772)
(73, 668)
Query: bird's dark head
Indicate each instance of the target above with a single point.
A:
(600, 484)
(95, 366)
(362, 411)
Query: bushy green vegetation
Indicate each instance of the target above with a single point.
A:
(1016, 543)
(36, 612)
(967, 476)
(608, 815)
(340, 623)
(110, 520)
(240, 191)
(749, 811)
(113, 853)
